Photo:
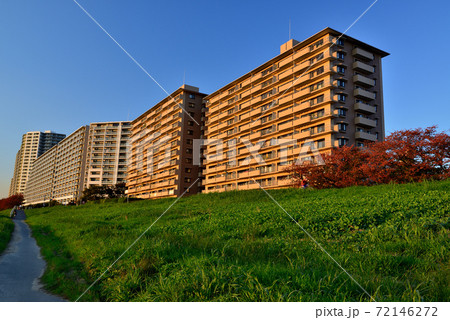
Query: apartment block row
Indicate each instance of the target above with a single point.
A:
(92, 155)
(318, 94)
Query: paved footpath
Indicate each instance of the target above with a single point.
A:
(21, 266)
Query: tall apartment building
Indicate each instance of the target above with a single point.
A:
(95, 154)
(34, 144)
(162, 159)
(107, 153)
(14, 179)
(59, 173)
(323, 92)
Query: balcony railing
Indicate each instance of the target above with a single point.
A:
(364, 94)
(361, 66)
(360, 53)
(365, 136)
(365, 122)
(363, 107)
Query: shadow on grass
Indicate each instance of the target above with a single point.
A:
(65, 275)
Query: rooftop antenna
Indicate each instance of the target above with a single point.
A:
(290, 29)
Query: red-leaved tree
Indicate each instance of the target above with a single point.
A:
(10, 202)
(404, 156)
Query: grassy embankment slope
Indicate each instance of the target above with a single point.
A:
(240, 246)
(6, 229)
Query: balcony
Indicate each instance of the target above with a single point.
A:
(365, 136)
(359, 79)
(255, 135)
(365, 122)
(286, 112)
(360, 53)
(361, 93)
(284, 182)
(284, 126)
(361, 66)
(253, 173)
(362, 107)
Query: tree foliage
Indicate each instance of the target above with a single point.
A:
(104, 192)
(10, 202)
(404, 156)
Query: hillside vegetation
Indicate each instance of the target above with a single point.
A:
(240, 246)
(6, 229)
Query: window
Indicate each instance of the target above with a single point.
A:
(190, 123)
(316, 86)
(320, 143)
(189, 151)
(342, 112)
(342, 127)
(316, 45)
(189, 141)
(320, 128)
(190, 132)
(191, 96)
(191, 105)
(187, 180)
(316, 72)
(341, 83)
(360, 144)
(342, 142)
(341, 97)
(317, 114)
(229, 122)
(188, 160)
(266, 130)
(316, 100)
(316, 58)
(192, 114)
(340, 55)
(266, 118)
(340, 69)
(340, 42)
(267, 106)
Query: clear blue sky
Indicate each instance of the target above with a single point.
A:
(59, 71)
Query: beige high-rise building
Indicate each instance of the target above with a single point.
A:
(107, 153)
(321, 93)
(34, 144)
(162, 162)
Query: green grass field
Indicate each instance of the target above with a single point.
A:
(6, 229)
(240, 246)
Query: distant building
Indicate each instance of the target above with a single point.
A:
(162, 147)
(34, 144)
(92, 155)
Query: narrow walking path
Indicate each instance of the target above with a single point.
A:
(21, 266)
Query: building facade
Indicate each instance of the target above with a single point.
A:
(70, 164)
(317, 94)
(92, 155)
(107, 153)
(59, 173)
(34, 144)
(162, 159)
